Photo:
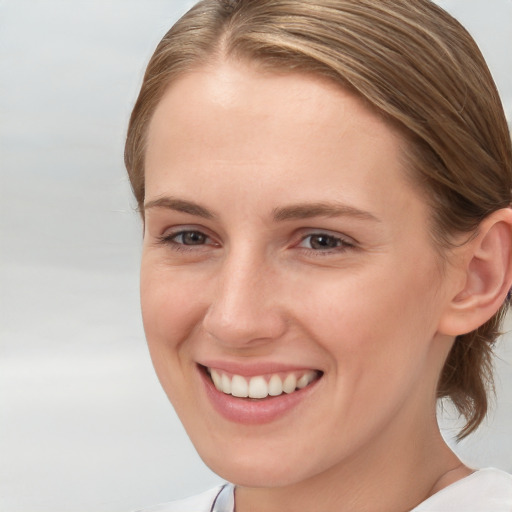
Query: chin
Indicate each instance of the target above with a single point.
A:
(251, 472)
(259, 462)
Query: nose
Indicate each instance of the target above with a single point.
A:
(244, 309)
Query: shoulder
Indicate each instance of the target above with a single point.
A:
(218, 499)
(486, 490)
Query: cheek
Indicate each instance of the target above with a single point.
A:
(168, 303)
(374, 323)
(171, 310)
(378, 340)
(169, 313)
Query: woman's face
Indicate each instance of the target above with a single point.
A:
(286, 256)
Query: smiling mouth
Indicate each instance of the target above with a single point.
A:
(262, 386)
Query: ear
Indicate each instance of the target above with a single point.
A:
(486, 262)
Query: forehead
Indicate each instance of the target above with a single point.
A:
(260, 128)
(232, 101)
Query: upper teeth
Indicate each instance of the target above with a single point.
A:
(260, 386)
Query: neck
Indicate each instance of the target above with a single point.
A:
(389, 475)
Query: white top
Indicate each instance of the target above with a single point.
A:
(486, 490)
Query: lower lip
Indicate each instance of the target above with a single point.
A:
(249, 411)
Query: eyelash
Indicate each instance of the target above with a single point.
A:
(342, 244)
(170, 240)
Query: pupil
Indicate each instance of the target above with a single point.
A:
(323, 242)
(193, 238)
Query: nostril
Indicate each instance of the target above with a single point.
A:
(232, 326)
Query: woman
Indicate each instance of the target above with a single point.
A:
(325, 188)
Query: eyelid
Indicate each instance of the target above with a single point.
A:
(168, 237)
(307, 232)
(346, 242)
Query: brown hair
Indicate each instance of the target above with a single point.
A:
(407, 59)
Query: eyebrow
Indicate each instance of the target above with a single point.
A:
(179, 205)
(309, 210)
(290, 212)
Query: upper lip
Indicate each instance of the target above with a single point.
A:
(251, 369)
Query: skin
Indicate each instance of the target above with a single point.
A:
(240, 143)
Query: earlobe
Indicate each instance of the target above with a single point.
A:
(487, 267)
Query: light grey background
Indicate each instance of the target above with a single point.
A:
(84, 425)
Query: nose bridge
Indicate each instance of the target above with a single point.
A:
(244, 307)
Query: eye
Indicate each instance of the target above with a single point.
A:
(189, 238)
(324, 242)
(186, 239)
